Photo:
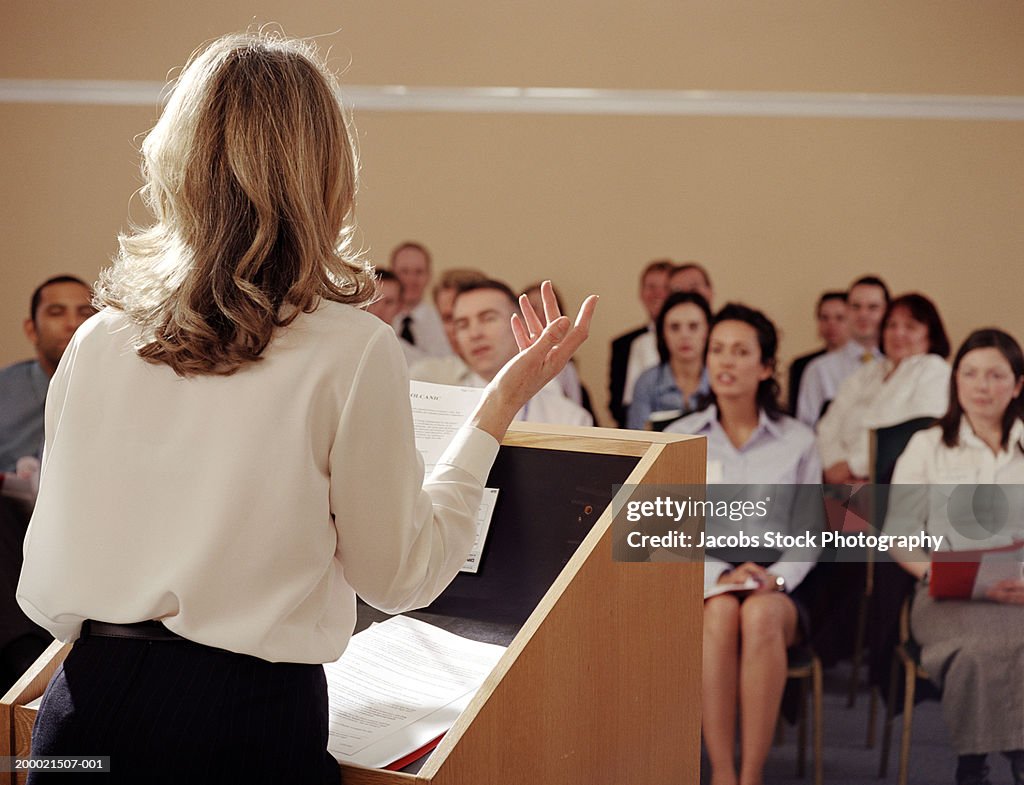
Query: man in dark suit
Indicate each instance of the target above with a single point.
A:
(630, 358)
(832, 329)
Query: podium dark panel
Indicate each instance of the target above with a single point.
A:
(548, 501)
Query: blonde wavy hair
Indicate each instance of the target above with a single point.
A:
(251, 176)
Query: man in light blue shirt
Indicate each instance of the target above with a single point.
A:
(866, 302)
(58, 306)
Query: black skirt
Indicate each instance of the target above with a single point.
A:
(176, 711)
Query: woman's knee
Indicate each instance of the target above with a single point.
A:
(721, 615)
(763, 618)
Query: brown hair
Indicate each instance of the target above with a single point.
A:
(251, 176)
(456, 278)
(989, 338)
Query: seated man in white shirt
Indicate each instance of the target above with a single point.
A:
(449, 369)
(418, 323)
(483, 334)
(636, 351)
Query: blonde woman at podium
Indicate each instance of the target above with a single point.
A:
(229, 451)
(753, 611)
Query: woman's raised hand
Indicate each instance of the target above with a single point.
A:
(545, 346)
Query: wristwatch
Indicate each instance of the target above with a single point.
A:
(780, 583)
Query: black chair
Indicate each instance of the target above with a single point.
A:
(887, 444)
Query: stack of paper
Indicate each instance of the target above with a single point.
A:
(438, 411)
(400, 685)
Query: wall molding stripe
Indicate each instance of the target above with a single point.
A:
(558, 100)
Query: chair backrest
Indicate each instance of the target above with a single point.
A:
(887, 444)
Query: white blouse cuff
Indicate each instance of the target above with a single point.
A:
(473, 451)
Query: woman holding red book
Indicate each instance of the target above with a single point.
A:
(974, 650)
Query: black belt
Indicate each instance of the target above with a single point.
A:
(139, 631)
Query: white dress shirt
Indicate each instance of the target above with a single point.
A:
(427, 329)
(919, 387)
(440, 370)
(245, 511)
(824, 375)
(643, 354)
(548, 406)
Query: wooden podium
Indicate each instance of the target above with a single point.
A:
(601, 684)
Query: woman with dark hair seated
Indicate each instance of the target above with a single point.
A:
(678, 385)
(973, 649)
(747, 632)
(912, 381)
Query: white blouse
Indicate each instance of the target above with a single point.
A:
(244, 511)
(919, 387)
(971, 496)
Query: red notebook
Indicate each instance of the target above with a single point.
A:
(962, 575)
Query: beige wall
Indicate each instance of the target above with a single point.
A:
(778, 208)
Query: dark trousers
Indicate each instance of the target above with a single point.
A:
(177, 711)
(21, 641)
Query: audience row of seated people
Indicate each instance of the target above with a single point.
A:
(713, 374)
(891, 367)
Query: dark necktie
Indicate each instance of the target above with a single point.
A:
(407, 330)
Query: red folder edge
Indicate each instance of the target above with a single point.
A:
(415, 755)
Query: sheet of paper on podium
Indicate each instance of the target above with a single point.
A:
(438, 411)
(398, 686)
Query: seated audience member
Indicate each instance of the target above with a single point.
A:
(57, 307)
(418, 323)
(483, 331)
(389, 297)
(973, 649)
(866, 301)
(636, 351)
(692, 277)
(747, 633)
(387, 306)
(830, 315)
(450, 368)
(912, 381)
(569, 379)
(679, 384)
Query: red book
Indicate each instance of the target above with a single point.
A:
(961, 575)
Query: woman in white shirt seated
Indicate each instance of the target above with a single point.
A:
(747, 633)
(912, 381)
(678, 384)
(973, 649)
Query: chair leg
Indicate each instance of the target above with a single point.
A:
(858, 652)
(872, 717)
(819, 720)
(801, 732)
(890, 712)
(908, 719)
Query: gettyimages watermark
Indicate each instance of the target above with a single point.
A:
(765, 523)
